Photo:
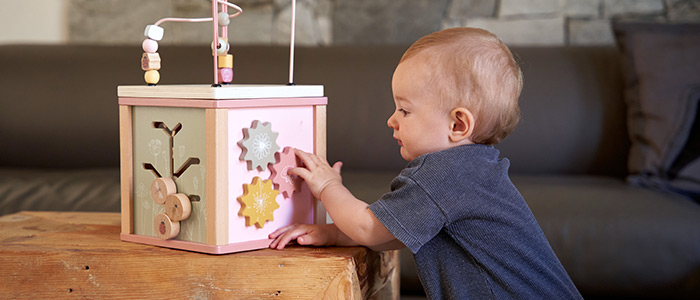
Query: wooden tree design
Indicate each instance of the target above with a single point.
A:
(164, 191)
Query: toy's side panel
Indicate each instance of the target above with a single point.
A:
(169, 142)
(294, 126)
(126, 169)
(320, 150)
(217, 176)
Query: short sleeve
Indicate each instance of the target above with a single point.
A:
(409, 213)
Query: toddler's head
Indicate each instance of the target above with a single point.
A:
(470, 68)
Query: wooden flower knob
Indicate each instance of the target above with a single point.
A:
(165, 228)
(178, 207)
(161, 188)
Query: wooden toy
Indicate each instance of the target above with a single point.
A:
(150, 61)
(284, 182)
(151, 77)
(166, 229)
(178, 207)
(149, 46)
(225, 75)
(201, 167)
(221, 47)
(259, 145)
(226, 61)
(161, 188)
(258, 202)
(154, 32)
(225, 65)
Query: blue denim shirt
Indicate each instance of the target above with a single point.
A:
(471, 232)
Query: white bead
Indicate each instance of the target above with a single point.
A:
(223, 19)
(154, 32)
(223, 49)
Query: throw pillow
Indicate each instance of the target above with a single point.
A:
(661, 68)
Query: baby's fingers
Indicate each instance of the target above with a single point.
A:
(282, 230)
(299, 171)
(338, 166)
(307, 158)
(287, 236)
(312, 238)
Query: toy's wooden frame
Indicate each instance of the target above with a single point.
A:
(216, 117)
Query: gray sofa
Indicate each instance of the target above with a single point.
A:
(59, 147)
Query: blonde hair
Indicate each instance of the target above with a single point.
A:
(472, 68)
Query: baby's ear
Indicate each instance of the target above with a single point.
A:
(461, 125)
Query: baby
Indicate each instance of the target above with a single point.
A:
(472, 234)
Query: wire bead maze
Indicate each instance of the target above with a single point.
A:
(222, 60)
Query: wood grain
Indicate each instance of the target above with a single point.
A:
(216, 122)
(79, 255)
(126, 168)
(320, 150)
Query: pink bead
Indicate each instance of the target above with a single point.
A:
(149, 45)
(226, 75)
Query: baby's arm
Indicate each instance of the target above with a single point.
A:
(351, 215)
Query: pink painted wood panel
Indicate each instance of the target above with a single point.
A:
(296, 128)
(196, 247)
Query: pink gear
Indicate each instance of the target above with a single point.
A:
(284, 182)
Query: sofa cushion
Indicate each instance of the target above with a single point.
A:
(59, 190)
(572, 110)
(616, 239)
(660, 64)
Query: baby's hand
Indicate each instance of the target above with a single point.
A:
(304, 234)
(317, 173)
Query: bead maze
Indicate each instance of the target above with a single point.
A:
(201, 165)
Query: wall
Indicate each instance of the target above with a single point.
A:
(326, 22)
(33, 21)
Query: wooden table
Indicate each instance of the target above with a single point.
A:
(46, 255)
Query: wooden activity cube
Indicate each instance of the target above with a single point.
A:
(204, 168)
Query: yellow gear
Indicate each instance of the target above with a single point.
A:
(258, 202)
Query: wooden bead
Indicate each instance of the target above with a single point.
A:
(222, 48)
(226, 75)
(149, 46)
(178, 207)
(225, 61)
(154, 32)
(150, 61)
(223, 19)
(165, 228)
(151, 77)
(161, 188)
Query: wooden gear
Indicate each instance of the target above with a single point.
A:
(258, 202)
(284, 182)
(259, 145)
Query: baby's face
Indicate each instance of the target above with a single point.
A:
(419, 125)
